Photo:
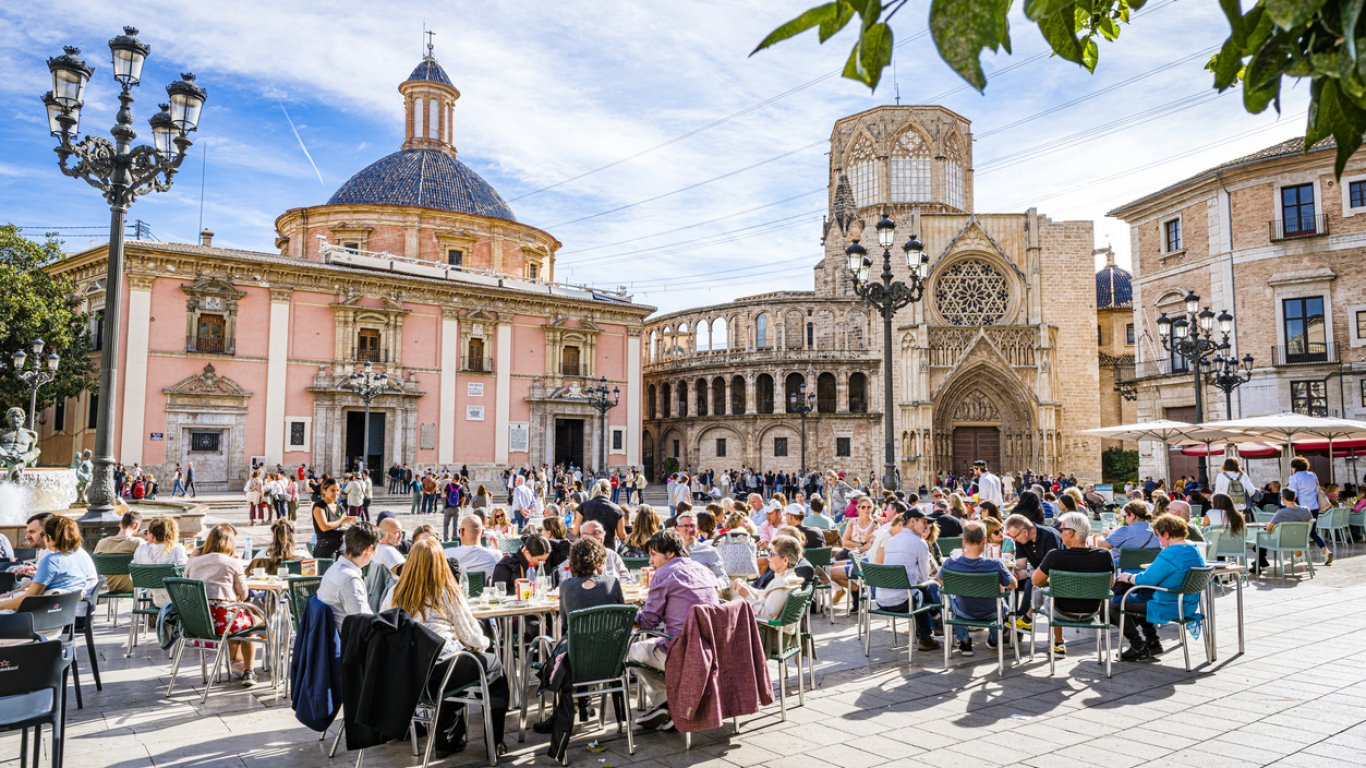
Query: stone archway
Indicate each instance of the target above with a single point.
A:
(984, 412)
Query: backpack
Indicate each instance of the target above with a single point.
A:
(1236, 491)
(139, 490)
(453, 495)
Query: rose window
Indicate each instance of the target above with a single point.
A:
(972, 292)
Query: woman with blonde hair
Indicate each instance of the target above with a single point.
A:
(226, 586)
(956, 506)
(500, 524)
(161, 548)
(643, 526)
(429, 592)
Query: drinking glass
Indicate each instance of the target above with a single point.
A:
(500, 590)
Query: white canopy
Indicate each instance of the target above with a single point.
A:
(1158, 429)
(1289, 427)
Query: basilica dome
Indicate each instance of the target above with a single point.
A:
(1114, 285)
(425, 178)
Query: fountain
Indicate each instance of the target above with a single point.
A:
(28, 490)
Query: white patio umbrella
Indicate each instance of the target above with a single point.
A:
(1288, 427)
(1162, 430)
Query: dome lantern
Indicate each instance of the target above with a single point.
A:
(429, 106)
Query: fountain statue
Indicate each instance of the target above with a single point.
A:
(85, 469)
(18, 445)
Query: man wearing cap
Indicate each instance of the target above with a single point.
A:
(773, 517)
(988, 485)
(906, 547)
(811, 538)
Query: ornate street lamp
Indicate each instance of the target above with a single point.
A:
(1191, 336)
(598, 398)
(36, 376)
(1226, 376)
(121, 172)
(888, 297)
(802, 402)
(367, 385)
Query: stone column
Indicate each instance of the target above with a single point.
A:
(446, 415)
(135, 368)
(751, 395)
(277, 370)
(502, 406)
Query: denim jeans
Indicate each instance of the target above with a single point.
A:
(960, 632)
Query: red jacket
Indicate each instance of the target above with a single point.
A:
(717, 668)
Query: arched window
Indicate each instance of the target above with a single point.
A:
(861, 168)
(858, 393)
(667, 399)
(654, 346)
(761, 331)
(737, 396)
(953, 173)
(682, 340)
(825, 393)
(701, 396)
(719, 334)
(703, 337)
(682, 399)
(718, 396)
(911, 166)
(792, 387)
(668, 338)
(651, 403)
(763, 393)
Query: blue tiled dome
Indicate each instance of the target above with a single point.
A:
(426, 178)
(1114, 287)
(430, 71)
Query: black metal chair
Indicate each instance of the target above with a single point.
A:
(32, 694)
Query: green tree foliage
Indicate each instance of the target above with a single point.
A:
(1320, 40)
(35, 305)
(1118, 465)
(670, 467)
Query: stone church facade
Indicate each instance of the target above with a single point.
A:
(996, 361)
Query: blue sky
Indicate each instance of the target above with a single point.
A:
(553, 92)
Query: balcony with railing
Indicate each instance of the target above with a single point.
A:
(1298, 227)
(369, 355)
(1304, 353)
(476, 364)
(209, 345)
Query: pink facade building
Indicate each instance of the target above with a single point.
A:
(417, 266)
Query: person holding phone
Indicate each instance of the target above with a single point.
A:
(329, 522)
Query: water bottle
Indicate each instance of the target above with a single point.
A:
(246, 546)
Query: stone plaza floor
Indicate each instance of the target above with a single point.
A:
(1295, 698)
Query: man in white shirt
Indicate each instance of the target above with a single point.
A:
(988, 485)
(472, 554)
(343, 586)
(700, 551)
(906, 547)
(523, 501)
(678, 492)
(391, 535)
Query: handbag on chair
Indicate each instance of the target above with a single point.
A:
(738, 555)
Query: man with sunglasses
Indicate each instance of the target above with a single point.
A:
(1076, 556)
(699, 551)
(1032, 545)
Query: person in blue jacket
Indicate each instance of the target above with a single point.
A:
(1147, 608)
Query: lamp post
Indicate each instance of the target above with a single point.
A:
(888, 297)
(121, 172)
(1191, 336)
(802, 402)
(367, 385)
(598, 398)
(1227, 376)
(36, 376)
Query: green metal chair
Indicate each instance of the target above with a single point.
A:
(428, 711)
(1194, 584)
(295, 567)
(1287, 539)
(948, 544)
(196, 627)
(821, 558)
(598, 641)
(1081, 586)
(1264, 514)
(1134, 558)
(635, 563)
(297, 591)
(475, 582)
(1334, 526)
(779, 650)
(1224, 545)
(450, 544)
(145, 579)
(114, 564)
(877, 577)
(979, 585)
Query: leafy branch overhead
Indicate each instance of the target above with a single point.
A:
(1321, 40)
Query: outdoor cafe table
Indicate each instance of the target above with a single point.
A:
(513, 639)
(278, 628)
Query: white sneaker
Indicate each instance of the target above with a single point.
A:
(248, 679)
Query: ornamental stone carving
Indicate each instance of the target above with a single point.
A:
(972, 292)
(977, 407)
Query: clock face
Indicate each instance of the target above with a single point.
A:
(213, 302)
